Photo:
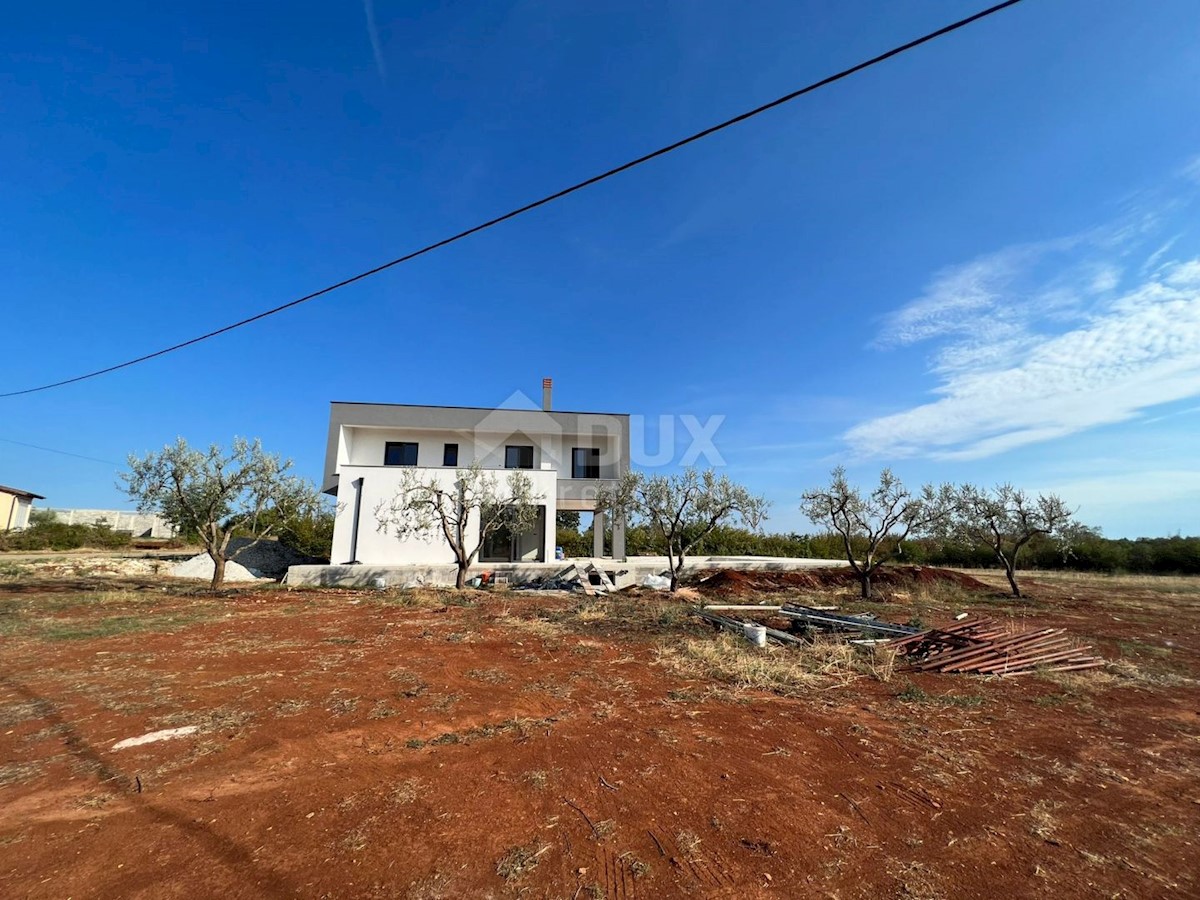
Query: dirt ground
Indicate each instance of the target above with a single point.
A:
(423, 745)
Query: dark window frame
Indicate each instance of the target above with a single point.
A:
(523, 451)
(589, 469)
(450, 454)
(401, 447)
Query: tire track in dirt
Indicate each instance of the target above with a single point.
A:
(707, 870)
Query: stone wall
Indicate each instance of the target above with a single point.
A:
(136, 523)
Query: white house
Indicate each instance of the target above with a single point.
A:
(15, 506)
(568, 456)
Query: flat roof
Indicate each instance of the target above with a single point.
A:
(566, 412)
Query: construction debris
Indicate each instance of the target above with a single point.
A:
(812, 617)
(988, 647)
(738, 626)
(592, 580)
(979, 646)
(164, 735)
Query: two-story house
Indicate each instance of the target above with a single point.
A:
(568, 456)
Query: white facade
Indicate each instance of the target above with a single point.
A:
(363, 476)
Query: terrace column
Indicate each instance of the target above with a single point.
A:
(598, 534)
(618, 527)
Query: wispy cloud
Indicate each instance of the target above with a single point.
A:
(1041, 341)
(373, 33)
(1191, 170)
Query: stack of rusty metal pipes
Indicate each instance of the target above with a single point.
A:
(988, 647)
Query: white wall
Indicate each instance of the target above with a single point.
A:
(360, 446)
(137, 524)
(21, 514)
(380, 484)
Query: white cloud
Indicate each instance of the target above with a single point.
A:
(1191, 170)
(1028, 358)
(373, 34)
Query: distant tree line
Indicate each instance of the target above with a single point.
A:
(1089, 550)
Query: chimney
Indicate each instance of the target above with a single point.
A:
(547, 387)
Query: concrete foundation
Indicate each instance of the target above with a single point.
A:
(634, 568)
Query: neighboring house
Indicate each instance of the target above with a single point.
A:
(568, 456)
(140, 525)
(15, 505)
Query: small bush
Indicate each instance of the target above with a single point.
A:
(46, 533)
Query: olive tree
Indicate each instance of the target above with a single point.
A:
(1004, 519)
(425, 506)
(214, 493)
(684, 508)
(873, 526)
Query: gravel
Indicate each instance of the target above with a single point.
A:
(201, 566)
(250, 560)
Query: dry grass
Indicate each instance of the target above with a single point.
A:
(688, 843)
(538, 627)
(538, 779)
(637, 868)
(407, 791)
(518, 861)
(16, 772)
(783, 670)
(290, 707)
(1042, 823)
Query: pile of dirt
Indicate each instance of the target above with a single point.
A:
(741, 582)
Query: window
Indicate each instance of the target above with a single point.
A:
(450, 455)
(399, 453)
(585, 462)
(518, 457)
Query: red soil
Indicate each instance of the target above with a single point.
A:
(360, 749)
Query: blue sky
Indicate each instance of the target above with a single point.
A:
(975, 262)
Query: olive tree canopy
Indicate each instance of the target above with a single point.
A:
(873, 526)
(425, 505)
(1005, 519)
(684, 508)
(214, 493)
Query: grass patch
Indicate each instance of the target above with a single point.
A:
(913, 693)
(290, 707)
(15, 772)
(1042, 823)
(637, 868)
(406, 791)
(113, 626)
(519, 861)
(538, 779)
(783, 670)
(520, 726)
(688, 843)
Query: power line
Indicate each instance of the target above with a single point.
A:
(107, 462)
(550, 198)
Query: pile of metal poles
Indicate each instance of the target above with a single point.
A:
(988, 647)
(824, 620)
